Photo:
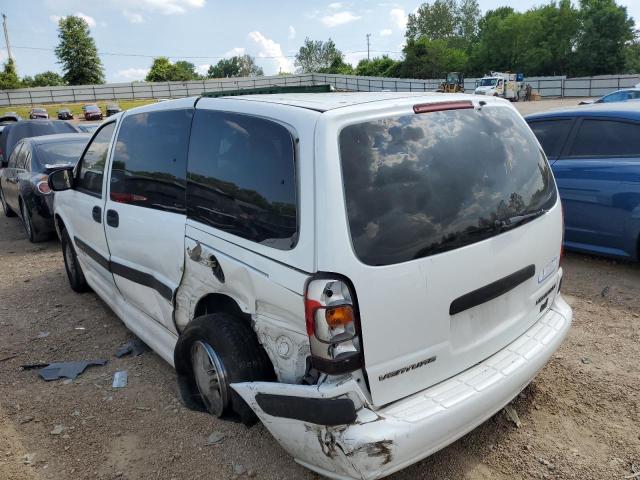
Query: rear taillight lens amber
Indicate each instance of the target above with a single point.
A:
(332, 325)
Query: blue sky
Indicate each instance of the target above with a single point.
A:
(129, 32)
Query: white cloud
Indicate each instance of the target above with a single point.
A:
(203, 69)
(335, 5)
(398, 17)
(90, 20)
(339, 18)
(131, 74)
(235, 52)
(133, 17)
(386, 32)
(354, 58)
(292, 32)
(272, 52)
(165, 7)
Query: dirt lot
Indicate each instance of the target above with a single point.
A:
(580, 416)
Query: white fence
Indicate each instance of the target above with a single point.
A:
(546, 86)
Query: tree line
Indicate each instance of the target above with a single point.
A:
(595, 37)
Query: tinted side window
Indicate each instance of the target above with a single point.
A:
(552, 134)
(91, 166)
(242, 177)
(150, 160)
(606, 138)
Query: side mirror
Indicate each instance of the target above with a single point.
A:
(60, 180)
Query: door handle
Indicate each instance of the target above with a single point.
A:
(96, 213)
(113, 220)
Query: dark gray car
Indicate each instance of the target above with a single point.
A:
(23, 183)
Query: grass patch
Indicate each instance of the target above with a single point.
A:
(76, 108)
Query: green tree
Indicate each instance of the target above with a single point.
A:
(436, 21)
(9, 77)
(238, 66)
(320, 57)
(376, 67)
(77, 53)
(161, 70)
(424, 58)
(606, 29)
(184, 71)
(46, 79)
(632, 58)
(468, 14)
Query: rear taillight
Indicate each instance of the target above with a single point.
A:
(332, 326)
(43, 186)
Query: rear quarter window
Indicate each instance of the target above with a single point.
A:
(242, 177)
(421, 184)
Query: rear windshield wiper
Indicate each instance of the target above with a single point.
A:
(512, 222)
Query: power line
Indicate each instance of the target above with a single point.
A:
(194, 57)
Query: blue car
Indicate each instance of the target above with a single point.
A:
(618, 96)
(594, 152)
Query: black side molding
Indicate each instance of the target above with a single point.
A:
(321, 411)
(491, 291)
(126, 272)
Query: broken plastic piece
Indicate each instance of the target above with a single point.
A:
(135, 347)
(58, 370)
(120, 379)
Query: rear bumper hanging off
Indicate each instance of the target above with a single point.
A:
(316, 424)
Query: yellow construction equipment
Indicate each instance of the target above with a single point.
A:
(453, 84)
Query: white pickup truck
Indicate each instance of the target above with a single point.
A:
(372, 275)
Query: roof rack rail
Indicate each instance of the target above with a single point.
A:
(270, 90)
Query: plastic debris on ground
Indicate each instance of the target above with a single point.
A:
(120, 379)
(58, 370)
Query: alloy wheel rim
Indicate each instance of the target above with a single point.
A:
(210, 377)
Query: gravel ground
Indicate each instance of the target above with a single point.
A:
(580, 416)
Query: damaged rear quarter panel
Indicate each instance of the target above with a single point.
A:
(267, 290)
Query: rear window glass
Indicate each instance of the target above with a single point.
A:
(60, 154)
(416, 185)
(606, 138)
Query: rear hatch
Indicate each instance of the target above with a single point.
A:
(456, 228)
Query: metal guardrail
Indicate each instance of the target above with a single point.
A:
(546, 86)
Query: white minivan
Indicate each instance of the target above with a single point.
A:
(372, 275)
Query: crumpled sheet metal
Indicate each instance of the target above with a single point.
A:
(58, 370)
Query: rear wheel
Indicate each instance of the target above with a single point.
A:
(213, 352)
(6, 208)
(74, 271)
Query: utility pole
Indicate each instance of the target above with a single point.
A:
(368, 35)
(6, 36)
